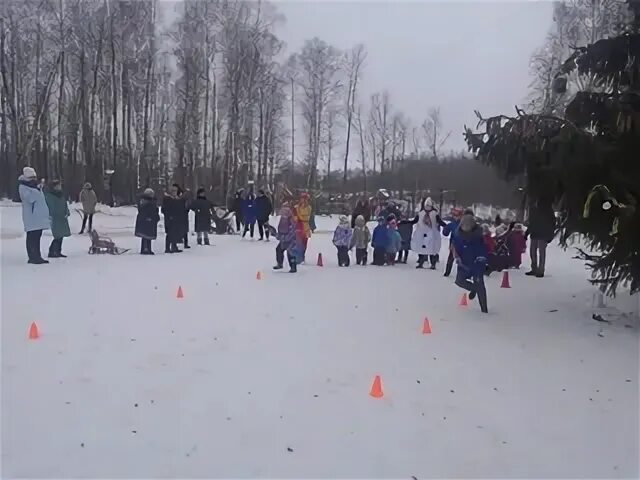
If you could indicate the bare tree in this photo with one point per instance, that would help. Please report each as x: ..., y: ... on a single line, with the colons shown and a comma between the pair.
x: 355, y: 60
x: 434, y: 136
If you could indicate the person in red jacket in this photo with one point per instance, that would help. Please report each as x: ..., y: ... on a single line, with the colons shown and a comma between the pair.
x: 517, y: 245
x: 489, y: 242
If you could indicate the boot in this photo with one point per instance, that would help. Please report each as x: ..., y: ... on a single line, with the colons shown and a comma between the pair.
x: 420, y: 261
x: 53, y: 249
x: 174, y: 248
x: 531, y: 273
x: 59, y: 249
x: 206, y: 241
x: 293, y: 268
x: 199, y: 241
x: 38, y: 261
x: 280, y: 259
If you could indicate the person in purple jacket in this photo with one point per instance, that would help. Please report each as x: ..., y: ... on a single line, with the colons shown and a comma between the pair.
x: 471, y: 257
x: 286, y: 235
x: 342, y: 241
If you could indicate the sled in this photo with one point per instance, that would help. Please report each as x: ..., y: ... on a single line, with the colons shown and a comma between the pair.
x: 103, y: 244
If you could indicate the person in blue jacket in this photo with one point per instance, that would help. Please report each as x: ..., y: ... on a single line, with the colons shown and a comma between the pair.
x: 35, y: 213
x: 380, y: 242
x: 249, y: 214
x: 449, y: 230
x: 471, y: 257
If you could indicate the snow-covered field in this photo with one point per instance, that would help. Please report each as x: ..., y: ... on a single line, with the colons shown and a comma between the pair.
x: 270, y: 378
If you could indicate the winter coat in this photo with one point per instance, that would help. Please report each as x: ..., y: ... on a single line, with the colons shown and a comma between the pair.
x: 517, y: 246
x: 58, y: 213
x: 249, y: 210
x: 342, y: 235
x: 303, y: 213
x: 35, y: 213
x: 405, y: 228
x: 147, y: 218
x: 449, y: 230
x: 286, y: 233
x: 363, y: 209
x: 426, y: 238
x: 173, y: 210
x: 236, y: 205
x: 361, y: 235
x: 542, y: 223
x: 264, y: 208
x: 489, y: 243
x: 470, y: 250
x: 380, y: 237
x: 395, y: 241
x: 202, y: 208
x: 89, y: 200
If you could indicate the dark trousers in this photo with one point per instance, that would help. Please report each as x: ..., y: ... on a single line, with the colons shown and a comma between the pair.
x: 86, y: 216
x: 55, y: 248
x: 145, y: 245
x: 185, y: 240
x: 249, y: 227
x: 343, y: 256
x: 538, y: 253
x: 449, y: 267
x: 291, y: 258
x: 361, y: 256
x: 33, y: 244
x: 238, y: 223
x: 170, y: 247
x: 263, y: 228
x: 379, y: 256
x: 403, y: 255
x: 475, y: 285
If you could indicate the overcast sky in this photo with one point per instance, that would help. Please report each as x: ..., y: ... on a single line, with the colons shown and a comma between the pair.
x: 460, y: 56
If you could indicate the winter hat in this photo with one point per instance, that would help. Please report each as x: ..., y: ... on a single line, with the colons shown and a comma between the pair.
x: 518, y: 227
x: 343, y: 220
x: 360, y: 221
x: 87, y: 186
x: 29, y: 172
x: 149, y: 192
x: 200, y: 191
x: 380, y: 219
x: 428, y: 203
x: 467, y: 222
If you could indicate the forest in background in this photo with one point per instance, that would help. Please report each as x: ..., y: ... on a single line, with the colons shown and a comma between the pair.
x: 128, y: 94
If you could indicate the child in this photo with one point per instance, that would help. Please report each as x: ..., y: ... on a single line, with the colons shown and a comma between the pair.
x: 517, y: 245
x: 147, y: 221
x: 405, y: 228
x: 59, y: 214
x: 379, y: 242
x: 489, y: 242
x: 203, y: 209
x: 501, y: 256
x: 395, y: 242
x: 471, y: 256
x: 286, y: 236
x: 360, y: 240
x: 342, y: 240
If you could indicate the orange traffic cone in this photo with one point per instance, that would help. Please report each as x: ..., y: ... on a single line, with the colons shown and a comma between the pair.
x: 179, y: 294
x: 505, y: 280
x: 463, y: 300
x: 426, y: 328
x: 258, y: 275
x: 376, y: 388
x: 320, y: 260
x: 33, y: 331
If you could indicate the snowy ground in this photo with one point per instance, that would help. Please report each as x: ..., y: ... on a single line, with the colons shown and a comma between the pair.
x: 270, y: 378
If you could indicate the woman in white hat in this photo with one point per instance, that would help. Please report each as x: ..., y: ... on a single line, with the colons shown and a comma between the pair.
x: 35, y: 213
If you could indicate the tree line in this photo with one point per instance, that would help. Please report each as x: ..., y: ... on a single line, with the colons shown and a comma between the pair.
x: 112, y: 92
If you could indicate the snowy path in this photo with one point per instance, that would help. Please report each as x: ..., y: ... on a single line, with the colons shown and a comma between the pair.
x: 270, y: 378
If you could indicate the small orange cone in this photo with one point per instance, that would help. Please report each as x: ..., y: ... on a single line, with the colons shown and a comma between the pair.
x: 33, y: 331
x: 320, y: 264
x: 463, y: 300
x: 258, y: 275
x: 426, y: 328
x: 376, y: 388
x: 505, y: 280
x: 180, y: 294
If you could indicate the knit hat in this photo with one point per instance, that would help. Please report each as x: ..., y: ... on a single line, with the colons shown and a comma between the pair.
x: 467, y: 222
x: 200, y: 191
x: 343, y: 219
x: 29, y: 172
x: 87, y: 186
x: 149, y: 192
x: 360, y: 221
x: 428, y: 203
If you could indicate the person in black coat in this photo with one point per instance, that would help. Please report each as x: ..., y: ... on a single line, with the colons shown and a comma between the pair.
x: 173, y: 209
x: 359, y: 209
x: 203, y: 210
x: 236, y: 208
x: 264, y: 208
x: 147, y: 221
x: 542, y: 225
x: 188, y: 198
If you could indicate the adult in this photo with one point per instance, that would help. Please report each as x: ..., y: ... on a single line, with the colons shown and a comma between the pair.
x: 236, y: 208
x: 173, y: 209
x: 303, y: 216
x: 59, y: 216
x: 542, y: 224
x: 187, y: 196
x: 35, y: 213
x: 89, y: 201
x: 147, y: 221
x: 426, y: 239
x: 264, y: 209
x: 249, y: 214
x: 203, y: 208
x: 449, y: 230
x: 471, y: 256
